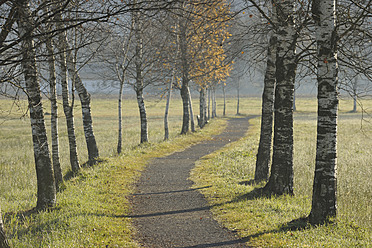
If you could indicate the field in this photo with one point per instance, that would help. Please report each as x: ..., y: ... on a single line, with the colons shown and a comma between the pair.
x: 276, y: 221
x: 95, y: 202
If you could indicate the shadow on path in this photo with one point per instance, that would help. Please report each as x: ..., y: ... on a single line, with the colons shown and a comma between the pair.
x: 167, y: 212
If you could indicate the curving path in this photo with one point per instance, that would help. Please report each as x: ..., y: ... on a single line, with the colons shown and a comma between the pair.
x: 168, y: 213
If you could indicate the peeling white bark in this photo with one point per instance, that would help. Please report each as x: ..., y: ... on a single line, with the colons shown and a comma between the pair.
x: 67, y: 109
x: 46, y: 190
x: 264, y: 149
x: 185, y: 75
x: 84, y: 97
x: 324, y: 202
x: 139, y: 76
x: 191, y: 112
x: 281, y: 177
x: 54, y: 114
x: 202, y: 108
x: 166, y: 128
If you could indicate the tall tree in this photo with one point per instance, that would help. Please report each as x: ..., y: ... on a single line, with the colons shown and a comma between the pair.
x: 67, y: 108
x: 139, y: 86
x: 281, y: 177
x: 264, y: 148
x: 54, y: 111
x: 166, y: 112
x: 46, y: 190
x: 183, y: 23
x: 324, y: 202
x: 85, y: 100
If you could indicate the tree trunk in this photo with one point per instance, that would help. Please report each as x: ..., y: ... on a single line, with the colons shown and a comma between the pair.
x: 209, y: 103
x: 202, y: 108
x: 294, y: 101
x: 205, y: 108
x: 139, y: 77
x: 84, y: 97
x: 238, y: 100
x: 191, y: 113
x: 166, y: 128
x: 264, y: 148
x: 355, y: 94
x: 67, y: 109
x: 46, y: 190
x: 3, y: 241
x: 120, y: 130
x: 224, y: 100
x: 324, y: 202
x: 281, y: 177
x: 185, y: 103
x: 54, y: 114
x: 185, y: 77
x: 214, y: 107
x: 143, y: 116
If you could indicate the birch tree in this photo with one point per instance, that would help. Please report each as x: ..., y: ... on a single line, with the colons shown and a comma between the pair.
x: 67, y: 108
x: 185, y: 67
x: 139, y: 85
x: 46, y: 190
x: 166, y: 112
x: 85, y: 100
x: 281, y: 177
x: 202, y: 107
x: 324, y: 201
x: 264, y: 148
x: 54, y: 111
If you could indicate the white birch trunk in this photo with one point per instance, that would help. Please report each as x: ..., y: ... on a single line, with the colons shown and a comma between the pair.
x: 54, y: 114
x: 191, y: 112
x: 120, y: 131
x: 67, y: 109
x: 224, y: 100
x: 209, y: 103
x: 324, y: 202
x: 202, y: 108
x: 281, y: 177
x: 84, y: 97
x: 238, y: 99
x: 355, y: 94
x: 46, y: 190
x: 185, y: 75
x: 121, y: 73
x: 214, y: 105
x: 139, y: 76
x: 264, y: 148
x: 166, y: 113
x: 205, y: 107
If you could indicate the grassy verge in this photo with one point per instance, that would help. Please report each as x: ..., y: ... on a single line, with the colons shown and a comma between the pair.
x: 93, y: 209
x: 276, y: 221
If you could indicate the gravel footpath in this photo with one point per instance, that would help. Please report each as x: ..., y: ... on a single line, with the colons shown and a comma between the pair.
x: 167, y: 212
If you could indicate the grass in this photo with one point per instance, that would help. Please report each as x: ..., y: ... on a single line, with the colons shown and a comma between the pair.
x: 93, y: 209
x: 278, y: 221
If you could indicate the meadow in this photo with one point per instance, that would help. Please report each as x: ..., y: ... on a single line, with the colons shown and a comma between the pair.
x: 92, y: 210
x: 278, y: 221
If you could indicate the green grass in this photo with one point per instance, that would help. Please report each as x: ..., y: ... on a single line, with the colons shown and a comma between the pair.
x: 275, y: 221
x: 92, y: 210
